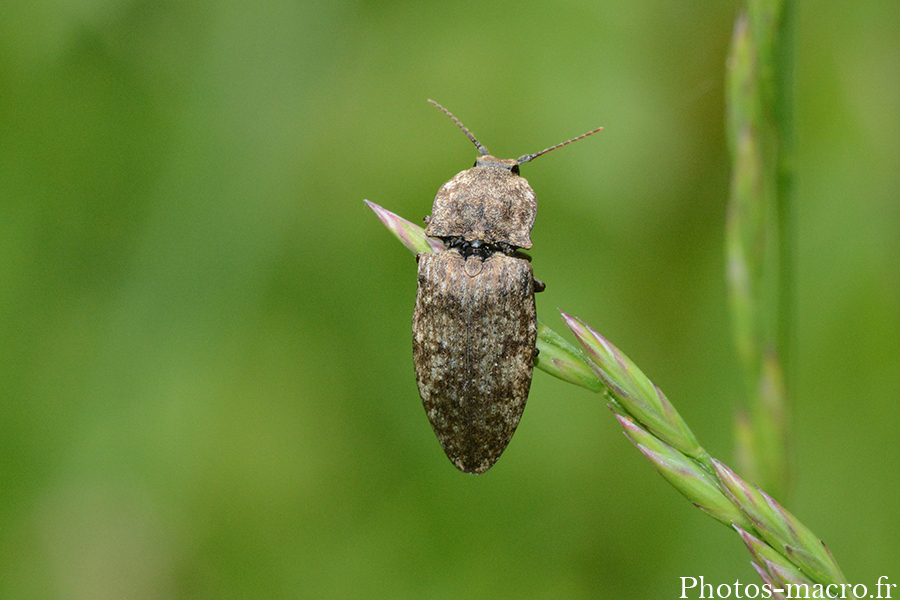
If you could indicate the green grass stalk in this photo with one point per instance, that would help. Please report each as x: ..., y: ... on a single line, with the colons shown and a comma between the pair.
x: 783, y: 550
x: 758, y: 230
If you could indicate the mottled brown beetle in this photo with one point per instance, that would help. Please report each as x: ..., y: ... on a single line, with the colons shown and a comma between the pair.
x: 474, y: 325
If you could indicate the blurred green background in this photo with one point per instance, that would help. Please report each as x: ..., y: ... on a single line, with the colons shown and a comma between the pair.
x: 206, y: 383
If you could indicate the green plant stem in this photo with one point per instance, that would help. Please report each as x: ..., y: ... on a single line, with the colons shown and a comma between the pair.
x: 783, y: 549
x: 758, y: 231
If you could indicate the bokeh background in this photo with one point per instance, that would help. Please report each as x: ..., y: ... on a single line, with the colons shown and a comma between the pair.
x: 206, y: 381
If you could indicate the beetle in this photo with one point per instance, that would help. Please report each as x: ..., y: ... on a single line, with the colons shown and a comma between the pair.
x: 474, y: 323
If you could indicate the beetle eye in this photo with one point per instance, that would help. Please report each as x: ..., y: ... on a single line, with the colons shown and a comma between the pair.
x: 515, y: 169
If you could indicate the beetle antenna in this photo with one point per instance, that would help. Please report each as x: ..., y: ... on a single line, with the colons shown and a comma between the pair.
x: 481, y: 148
x: 529, y: 157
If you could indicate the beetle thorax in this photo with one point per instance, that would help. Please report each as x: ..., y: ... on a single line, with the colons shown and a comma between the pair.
x: 489, y: 203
